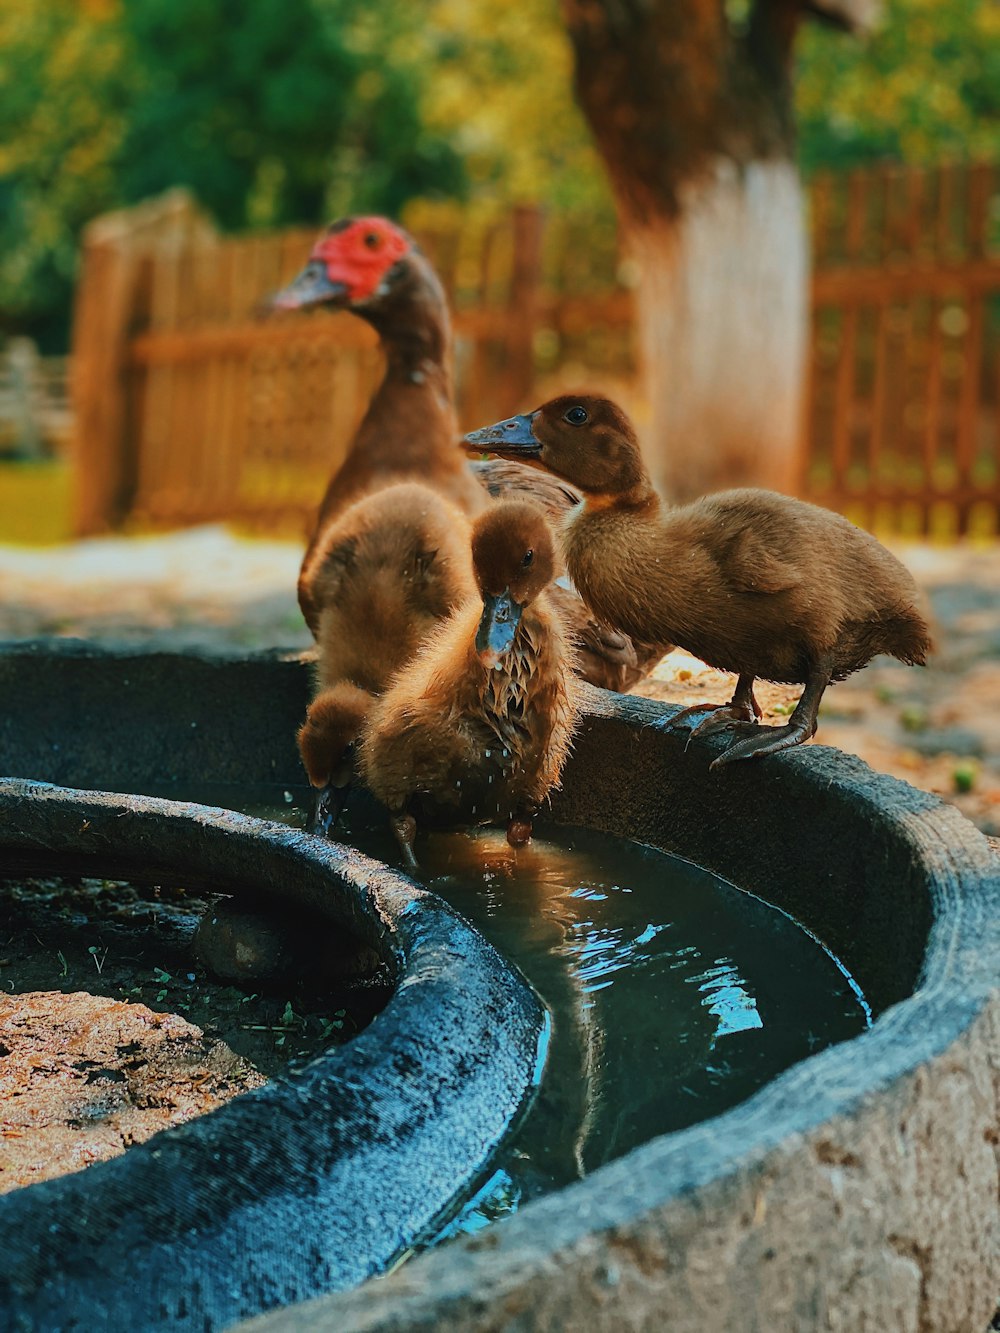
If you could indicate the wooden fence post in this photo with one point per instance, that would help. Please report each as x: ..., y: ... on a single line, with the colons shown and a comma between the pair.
x: 112, y: 273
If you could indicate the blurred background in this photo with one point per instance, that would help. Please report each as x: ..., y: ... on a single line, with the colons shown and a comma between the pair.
x: 771, y: 228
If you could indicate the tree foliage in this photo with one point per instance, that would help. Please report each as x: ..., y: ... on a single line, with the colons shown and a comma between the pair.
x: 276, y: 112
x: 923, y: 87
x: 61, y: 131
x: 289, y: 110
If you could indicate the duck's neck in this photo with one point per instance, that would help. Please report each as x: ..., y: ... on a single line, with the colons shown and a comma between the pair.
x: 411, y: 319
x: 415, y: 338
x: 640, y: 500
x: 412, y: 414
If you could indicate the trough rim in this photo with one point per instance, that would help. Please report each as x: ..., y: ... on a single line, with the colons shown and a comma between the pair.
x: 565, y: 1236
x: 459, y: 1096
x: 555, y: 1246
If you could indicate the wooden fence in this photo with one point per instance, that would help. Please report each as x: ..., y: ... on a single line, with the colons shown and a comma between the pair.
x: 192, y: 406
x: 903, y: 415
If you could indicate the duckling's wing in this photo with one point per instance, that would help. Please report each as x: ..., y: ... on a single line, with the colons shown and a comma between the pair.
x: 752, y: 564
x: 504, y: 476
x: 604, y: 655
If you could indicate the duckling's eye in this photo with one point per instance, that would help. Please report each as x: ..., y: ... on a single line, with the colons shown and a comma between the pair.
x: 528, y: 557
x: 373, y: 240
x: 577, y: 416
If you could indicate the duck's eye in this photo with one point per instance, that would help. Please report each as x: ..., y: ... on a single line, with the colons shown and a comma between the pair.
x: 577, y: 416
x: 373, y: 240
x: 528, y: 557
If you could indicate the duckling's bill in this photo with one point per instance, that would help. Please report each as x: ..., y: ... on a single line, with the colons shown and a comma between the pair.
x: 500, y: 619
x: 513, y: 436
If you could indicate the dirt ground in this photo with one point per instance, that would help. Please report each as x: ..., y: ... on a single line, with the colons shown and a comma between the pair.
x: 938, y: 727
x: 112, y: 1027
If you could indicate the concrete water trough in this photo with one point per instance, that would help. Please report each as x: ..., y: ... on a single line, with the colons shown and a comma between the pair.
x: 857, y: 1190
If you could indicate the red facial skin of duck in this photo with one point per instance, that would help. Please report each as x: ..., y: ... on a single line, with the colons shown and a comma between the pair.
x: 360, y: 254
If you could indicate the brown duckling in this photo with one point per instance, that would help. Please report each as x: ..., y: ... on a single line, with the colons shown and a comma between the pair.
x: 750, y: 581
x: 390, y: 569
x: 477, y: 728
x: 374, y: 269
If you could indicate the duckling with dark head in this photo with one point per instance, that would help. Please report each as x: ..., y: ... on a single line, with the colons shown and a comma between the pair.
x: 476, y: 729
x: 750, y: 581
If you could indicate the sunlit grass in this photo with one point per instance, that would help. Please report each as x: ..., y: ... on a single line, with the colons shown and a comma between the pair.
x: 35, y: 503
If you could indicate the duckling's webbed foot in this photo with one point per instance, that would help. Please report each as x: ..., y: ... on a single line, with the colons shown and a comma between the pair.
x: 670, y: 723
x: 724, y: 717
x: 800, y: 727
x: 404, y: 826
x: 764, y: 740
x: 743, y: 708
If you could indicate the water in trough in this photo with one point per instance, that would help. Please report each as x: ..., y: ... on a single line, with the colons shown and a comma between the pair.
x: 673, y: 994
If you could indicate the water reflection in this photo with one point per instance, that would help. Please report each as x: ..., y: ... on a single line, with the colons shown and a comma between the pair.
x: 674, y: 995
x: 724, y: 994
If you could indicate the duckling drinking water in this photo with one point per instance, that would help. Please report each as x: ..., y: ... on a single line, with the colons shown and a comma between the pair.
x: 477, y: 728
x: 750, y: 581
x: 390, y: 569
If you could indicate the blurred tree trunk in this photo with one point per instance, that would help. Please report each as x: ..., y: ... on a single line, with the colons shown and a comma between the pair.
x: 692, y: 112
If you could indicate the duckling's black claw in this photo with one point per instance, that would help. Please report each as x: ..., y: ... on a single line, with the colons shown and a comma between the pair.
x: 669, y: 723
x: 766, y: 740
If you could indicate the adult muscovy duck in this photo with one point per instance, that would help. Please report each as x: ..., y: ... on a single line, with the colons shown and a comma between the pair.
x: 374, y: 269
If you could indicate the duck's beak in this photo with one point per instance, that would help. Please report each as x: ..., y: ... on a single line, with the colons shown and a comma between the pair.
x: 501, y: 617
x: 514, y: 436
x: 313, y: 286
x: 326, y: 810
x: 331, y: 799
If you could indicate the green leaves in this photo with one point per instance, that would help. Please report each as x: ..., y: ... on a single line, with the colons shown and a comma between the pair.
x: 925, y: 86
x: 281, y: 111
